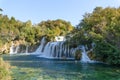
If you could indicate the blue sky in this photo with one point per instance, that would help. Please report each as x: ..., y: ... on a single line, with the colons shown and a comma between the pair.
x: 38, y: 10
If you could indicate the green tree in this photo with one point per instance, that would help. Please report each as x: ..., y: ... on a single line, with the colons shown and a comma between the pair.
x: 101, y: 27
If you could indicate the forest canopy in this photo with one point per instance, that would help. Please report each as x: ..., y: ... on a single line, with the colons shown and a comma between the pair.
x: 12, y: 29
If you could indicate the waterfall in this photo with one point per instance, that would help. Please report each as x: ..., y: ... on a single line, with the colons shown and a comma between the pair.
x: 60, y: 50
x: 16, y: 49
x: 85, y: 58
x: 12, y: 49
x: 26, y: 51
x: 56, y: 50
x: 40, y: 48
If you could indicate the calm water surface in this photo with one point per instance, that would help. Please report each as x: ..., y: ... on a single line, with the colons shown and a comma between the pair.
x: 30, y: 67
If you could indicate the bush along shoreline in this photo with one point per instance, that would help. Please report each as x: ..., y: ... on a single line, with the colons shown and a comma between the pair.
x: 5, y: 73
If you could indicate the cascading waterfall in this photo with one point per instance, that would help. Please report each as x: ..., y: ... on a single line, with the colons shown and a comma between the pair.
x: 16, y: 49
x: 58, y: 49
x: 84, y: 58
x: 41, y: 47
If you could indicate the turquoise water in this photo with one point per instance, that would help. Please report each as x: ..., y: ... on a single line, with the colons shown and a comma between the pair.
x: 29, y: 67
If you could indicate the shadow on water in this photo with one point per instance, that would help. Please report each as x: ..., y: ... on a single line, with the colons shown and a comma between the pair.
x: 63, y: 69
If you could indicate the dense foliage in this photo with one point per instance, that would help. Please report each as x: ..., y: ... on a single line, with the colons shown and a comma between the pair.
x: 101, y: 27
x: 52, y: 28
x: 12, y: 30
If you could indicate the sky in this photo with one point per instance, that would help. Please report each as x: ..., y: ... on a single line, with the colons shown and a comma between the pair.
x: 39, y: 10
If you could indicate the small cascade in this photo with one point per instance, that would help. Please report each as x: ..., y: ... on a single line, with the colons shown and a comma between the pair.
x: 16, y: 49
x: 41, y: 47
x: 85, y: 58
x: 12, y: 49
x: 26, y: 51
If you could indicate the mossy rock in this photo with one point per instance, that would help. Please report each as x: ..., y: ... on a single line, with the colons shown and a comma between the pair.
x: 78, y: 55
